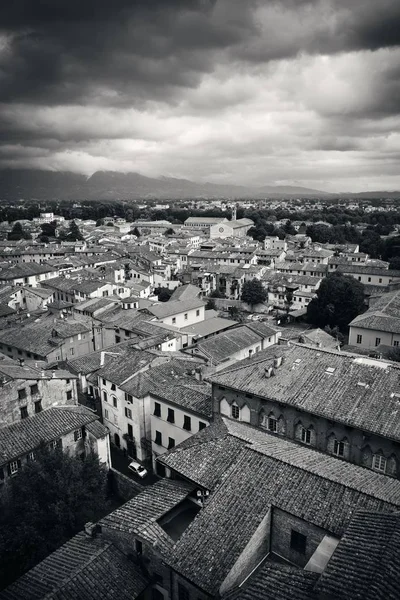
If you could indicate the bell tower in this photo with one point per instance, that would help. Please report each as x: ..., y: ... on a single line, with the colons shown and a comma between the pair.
x: 234, y: 212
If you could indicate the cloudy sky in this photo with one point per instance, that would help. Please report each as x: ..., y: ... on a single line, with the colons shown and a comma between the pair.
x: 239, y: 91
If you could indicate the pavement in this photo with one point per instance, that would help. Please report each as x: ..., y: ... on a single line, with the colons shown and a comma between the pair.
x: 120, y: 462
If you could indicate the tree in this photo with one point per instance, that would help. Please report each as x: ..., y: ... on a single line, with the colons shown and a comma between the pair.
x: 289, y: 229
x: 340, y: 298
x: 163, y: 293
x: 74, y: 232
x: 99, y: 222
x: 49, y: 501
x: 18, y: 233
x: 49, y: 229
x: 235, y: 314
x: 393, y: 354
x: 169, y: 231
x: 211, y: 304
x: 135, y: 232
x: 253, y: 292
x: 288, y: 301
x: 394, y: 263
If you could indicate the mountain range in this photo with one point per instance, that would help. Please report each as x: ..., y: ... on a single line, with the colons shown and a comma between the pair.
x: 110, y: 185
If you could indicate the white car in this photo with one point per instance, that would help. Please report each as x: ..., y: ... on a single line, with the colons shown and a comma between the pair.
x: 136, y: 468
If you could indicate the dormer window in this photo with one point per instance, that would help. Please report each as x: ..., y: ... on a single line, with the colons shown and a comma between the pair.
x: 235, y: 411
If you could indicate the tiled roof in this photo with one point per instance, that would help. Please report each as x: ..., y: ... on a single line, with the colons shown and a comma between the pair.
x: 366, y: 563
x: 91, y: 362
x: 360, y: 392
x: 126, y: 365
x: 85, y: 568
x: 275, y: 581
x: 37, y: 338
x: 174, y: 307
x: 185, y: 292
x: 383, y: 314
x: 139, y: 516
x: 20, y: 438
x: 205, y: 457
x: 274, y: 472
x: 97, y: 429
x: 221, y: 347
x: 16, y: 271
x: 365, y: 269
x: 208, y: 326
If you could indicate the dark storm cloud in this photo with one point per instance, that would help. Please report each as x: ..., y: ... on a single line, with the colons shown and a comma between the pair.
x: 78, y: 51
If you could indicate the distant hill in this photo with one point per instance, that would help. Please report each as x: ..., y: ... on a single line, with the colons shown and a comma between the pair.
x: 110, y: 185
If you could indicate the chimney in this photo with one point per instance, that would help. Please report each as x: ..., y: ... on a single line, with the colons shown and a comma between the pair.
x: 198, y: 374
x: 102, y: 356
x: 21, y: 362
x: 277, y: 362
x: 92, y: 529
x: 268, y: 372
x: 53, y: 374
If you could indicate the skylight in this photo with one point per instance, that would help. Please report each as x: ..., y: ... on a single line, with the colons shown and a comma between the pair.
x: 330, y: 370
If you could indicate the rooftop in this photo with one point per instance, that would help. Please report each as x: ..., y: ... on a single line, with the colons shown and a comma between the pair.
x: 85, y: 567
x: 357, y: 391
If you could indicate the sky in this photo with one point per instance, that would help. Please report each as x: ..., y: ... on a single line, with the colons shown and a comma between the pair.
x: 248, y: 92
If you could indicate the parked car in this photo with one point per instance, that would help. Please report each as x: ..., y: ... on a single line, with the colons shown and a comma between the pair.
x: 137, y: 469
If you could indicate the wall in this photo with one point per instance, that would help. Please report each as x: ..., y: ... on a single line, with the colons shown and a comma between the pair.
x: 173, y: 430
x: 369, y: 336
x: 50, y: 392
x: 282, y: 524
x: 181, y: 321
x: 124, y: 487
x: 257, y: 548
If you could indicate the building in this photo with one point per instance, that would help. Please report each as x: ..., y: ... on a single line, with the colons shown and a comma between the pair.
x: 227, y: 229
x: 47, y: 339
x: 203, y: 223
x: 178, y: 312
x: 341, y: 404
x: 237, y: 343
x: 379, y: 325
x: 31, y: 274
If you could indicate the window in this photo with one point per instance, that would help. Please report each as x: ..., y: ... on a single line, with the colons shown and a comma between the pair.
x: 272, y: 424
x: 171, y: 415
x: 115, y: 419
x: 117, y: 339
x: 379, y: 463
x: 38, y: 406
x: 306, y: 436
x: 369, y: 279
x: 128, y: 413
x: 235, y: 411
x: 338, y: 448
x: 186, y: 316
x: 359, y: 278
x: 157, y: 409
x: 71, y: 351
x: 104, y: 382
x: 113, y: 388
x: 138, y: 546
x: 197, y: 313
x: 34, y: 389
x: 202, y: 425
x: 377, y: 341
x: 183, y: 594
x: 187, y: 423
x: 171, y: 443
x: 31, y: 456
x: 380, y: 279
x: 298, y: 542
x: 14, y: 466
x: 158, y: 438
x: 105, y: 413
x: 21, y: 394
x: 128, y: 398
x: 173, y: 320
x: 77, y: 435
x: 359, y: 339
x: 69, y: 395
x: 24, y: 412
x: 396, y: 343
x: 105, y: 396
x: 115, y: 403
